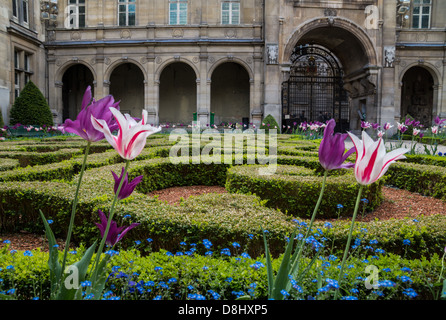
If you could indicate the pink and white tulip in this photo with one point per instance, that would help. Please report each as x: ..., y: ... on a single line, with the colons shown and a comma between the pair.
x: 435, y: 129
x: 372, y: 160
x: 416, y: 131
x: 387, y: 126
x: 132, y: 135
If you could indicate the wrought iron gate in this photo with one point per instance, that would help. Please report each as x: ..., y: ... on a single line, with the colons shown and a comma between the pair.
x: 314, y: 90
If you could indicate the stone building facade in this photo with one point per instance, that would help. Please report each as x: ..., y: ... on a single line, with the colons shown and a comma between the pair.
x: 226, y: 61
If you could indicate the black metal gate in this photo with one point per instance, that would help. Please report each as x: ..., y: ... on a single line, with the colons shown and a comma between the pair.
x: 314, y: 90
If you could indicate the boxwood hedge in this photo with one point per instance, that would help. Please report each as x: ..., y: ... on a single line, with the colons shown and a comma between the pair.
x: 295, y: 190
x: 49, y: 186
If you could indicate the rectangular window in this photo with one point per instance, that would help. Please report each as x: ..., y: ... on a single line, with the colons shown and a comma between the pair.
x: 15, y: 8
x: 22, y: 69
x: 126, y: 12
x: 26, y: 62
x: 421, y: 14
x: 178, y: 12
x: 76, y: 12
x: 16, y: 84
x: 20, y: 11
x: 16, y: 59
x: 230, y: 13
x: 25, y: 11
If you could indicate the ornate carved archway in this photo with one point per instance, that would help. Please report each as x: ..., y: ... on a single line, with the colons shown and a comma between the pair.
x: 314, y: 89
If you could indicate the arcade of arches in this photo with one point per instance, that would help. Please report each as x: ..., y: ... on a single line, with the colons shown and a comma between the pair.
x: 322, y: 71
x: 177, y: 92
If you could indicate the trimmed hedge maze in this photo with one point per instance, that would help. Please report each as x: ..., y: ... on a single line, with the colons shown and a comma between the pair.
x: 41, y: 175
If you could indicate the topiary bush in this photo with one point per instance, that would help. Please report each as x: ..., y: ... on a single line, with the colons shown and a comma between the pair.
x: 31, y: 108
x: 294, y: 190
x: 269, y: 123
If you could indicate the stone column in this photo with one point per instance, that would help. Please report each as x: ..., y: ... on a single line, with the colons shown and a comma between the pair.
x: 272, y: 95
x: 256, y: 96
x: 203, y: 91
x: 388, y: 109
x: 441, y: 94
x: 151, y: 88
x: 56, y: 92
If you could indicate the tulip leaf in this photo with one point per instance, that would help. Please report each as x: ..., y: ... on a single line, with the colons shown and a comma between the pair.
x: 443, y: 291
x: 245, y: 297
x: 282, y: 278
x: 53, y: 260
x: 81, y: 268
x: 269, y: 267
x: 98, y: 284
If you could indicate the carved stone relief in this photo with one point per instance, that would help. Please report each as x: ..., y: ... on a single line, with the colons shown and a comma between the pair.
x: 272, y: 52
x: 389, y: 56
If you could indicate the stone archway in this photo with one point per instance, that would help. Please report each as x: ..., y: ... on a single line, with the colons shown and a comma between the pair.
x: 127, y: 86
x: 417, y: 95
x: 75, y: 81
x: 230, y: 94
x: 356, y: 53
x: 177, y: 94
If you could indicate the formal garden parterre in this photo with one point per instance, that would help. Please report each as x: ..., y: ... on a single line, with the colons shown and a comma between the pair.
x: 213, y: 246
x: 173, y: 237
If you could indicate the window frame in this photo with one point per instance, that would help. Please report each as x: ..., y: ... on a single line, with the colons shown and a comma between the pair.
x: 126, y: 3
x: 25, y: 11
x: 178, y: 4
x: 23, y: 62
x: 230, y: 12
x: 420, y: 14
x: 15, y: 9
x: 76, y: 14
x: 20, y: 12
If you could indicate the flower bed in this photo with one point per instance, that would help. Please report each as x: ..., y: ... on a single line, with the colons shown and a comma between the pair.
x: 27, y: 197
x: 201, y: 237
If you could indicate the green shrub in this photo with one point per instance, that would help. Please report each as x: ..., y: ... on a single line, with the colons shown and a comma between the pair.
x: 137, y: 277
x: 427, y: 180
x: 425, y: 233
x: 269, y: 123
x: 50, y: 187
x: 294, y: 190
x: 166, y: 223
x: 31, y: 108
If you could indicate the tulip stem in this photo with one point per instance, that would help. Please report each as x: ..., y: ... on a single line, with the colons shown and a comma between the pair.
x: 110, y: 217
x: 73, y: 209
x: 315, y: 210
x: 347, y: 246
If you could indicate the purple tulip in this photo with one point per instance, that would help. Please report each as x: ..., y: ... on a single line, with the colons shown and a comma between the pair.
x: 332, y: 148
x: 439, y: 121
x: 100, y: 109
x: 114, y: 234
x: 365, y: 124
x: 127, y: 187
